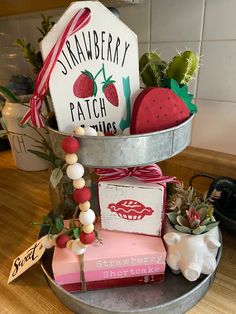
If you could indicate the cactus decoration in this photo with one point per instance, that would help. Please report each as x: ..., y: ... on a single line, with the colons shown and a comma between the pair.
x: 152, y: 69
x: 183, y: 67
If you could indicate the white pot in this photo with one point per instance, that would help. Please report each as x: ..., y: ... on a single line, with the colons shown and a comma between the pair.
x: 191, y: 254
x: 20, y: 144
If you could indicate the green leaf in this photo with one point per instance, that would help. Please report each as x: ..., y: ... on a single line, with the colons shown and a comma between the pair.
x: 199, y: 230
x: 56, y: 177
x: 76, y: 232
x: 3, y: 123
x: 172, y: 217
x: 41, y: 155
x: 212, y: 225
x: 8, y: 95
x: 47, y: 220
x: 59, y: 223
x: 183, y: 229
x: 3, y: 133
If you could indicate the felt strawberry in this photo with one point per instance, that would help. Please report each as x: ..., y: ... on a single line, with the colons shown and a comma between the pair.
x: 110, y: 91
x: 158, y: 108
x: 85, y: 85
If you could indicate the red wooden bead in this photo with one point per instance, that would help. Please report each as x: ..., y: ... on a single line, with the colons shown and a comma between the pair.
x: 61, y: 240
x: 70, y: 145
x: 87, y: 238
x: 81, y: 195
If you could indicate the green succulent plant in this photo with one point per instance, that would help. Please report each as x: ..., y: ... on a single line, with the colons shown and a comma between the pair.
x: 152, y: 69
x: 189, y: 213
x: 183, y: 67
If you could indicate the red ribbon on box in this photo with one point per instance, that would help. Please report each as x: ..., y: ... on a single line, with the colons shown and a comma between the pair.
x: 150, y: 174
x: 78, y: 21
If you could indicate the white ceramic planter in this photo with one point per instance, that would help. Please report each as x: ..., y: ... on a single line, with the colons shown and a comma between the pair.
x: 191, y: 254
x: 20, y: 144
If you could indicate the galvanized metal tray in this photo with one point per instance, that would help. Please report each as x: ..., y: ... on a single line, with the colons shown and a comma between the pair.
x: 125, y: 151
x: 174, y: 295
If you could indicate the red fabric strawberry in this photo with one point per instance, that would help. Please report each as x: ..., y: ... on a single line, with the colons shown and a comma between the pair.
x: 85, y: 85
x: 110, y: 91
x: 156, y: 109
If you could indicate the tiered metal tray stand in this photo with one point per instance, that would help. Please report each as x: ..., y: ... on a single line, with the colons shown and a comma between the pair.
x: 175, y: 294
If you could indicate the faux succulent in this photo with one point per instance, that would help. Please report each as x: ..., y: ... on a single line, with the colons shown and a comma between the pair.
x: 190, y: 213
x: 154, y: 70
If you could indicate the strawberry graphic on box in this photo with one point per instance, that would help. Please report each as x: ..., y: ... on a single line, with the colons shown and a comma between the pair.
x: 159, y: 108
x: 85, y: 85
x: 130, y: 210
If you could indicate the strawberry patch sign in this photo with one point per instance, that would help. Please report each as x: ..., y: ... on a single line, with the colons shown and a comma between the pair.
x: 95, y: 77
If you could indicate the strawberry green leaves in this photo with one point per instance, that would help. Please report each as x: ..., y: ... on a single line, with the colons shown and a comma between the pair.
x: 182, y: 92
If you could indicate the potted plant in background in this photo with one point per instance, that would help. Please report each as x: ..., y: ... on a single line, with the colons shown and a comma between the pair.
x: 191, y: 233
x: 24, y: 140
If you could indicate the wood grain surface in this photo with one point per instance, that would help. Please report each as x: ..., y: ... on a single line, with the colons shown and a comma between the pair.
x: 24, y: 198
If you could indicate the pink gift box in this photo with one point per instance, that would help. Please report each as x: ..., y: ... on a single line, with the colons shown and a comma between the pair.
x: 122, y: 259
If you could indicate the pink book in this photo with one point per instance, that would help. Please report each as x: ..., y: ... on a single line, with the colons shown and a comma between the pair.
x: 122, y: 255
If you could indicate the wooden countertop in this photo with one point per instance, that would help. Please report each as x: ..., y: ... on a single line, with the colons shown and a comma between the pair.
x: 24, y: 198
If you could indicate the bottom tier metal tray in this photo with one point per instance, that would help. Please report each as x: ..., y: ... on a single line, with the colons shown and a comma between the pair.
x: 174, y: 295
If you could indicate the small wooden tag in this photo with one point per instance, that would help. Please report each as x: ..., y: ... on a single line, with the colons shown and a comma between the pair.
x: 27, y: 259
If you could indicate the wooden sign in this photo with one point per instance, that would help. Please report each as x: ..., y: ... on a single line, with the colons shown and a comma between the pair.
x: 132, y: 206
x: 96, y: 75
x: 27, y: 259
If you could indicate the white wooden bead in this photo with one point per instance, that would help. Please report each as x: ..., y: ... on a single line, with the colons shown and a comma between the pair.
x: 79, y: 130
x: 90, y: 131
x: 87, y: 218
x: 48, y: 241
x: 79, y: 183
x: 84, y: 206
x: 99, y: 133
x: 77, y: 248
x: 75, y: 171
x: 88, y: 228
x: 71, y: 159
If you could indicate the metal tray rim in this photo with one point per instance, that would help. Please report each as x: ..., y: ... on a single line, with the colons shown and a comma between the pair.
x: 117, y: 137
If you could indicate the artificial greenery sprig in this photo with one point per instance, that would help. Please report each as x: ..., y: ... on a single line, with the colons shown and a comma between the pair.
x: 30, y: 53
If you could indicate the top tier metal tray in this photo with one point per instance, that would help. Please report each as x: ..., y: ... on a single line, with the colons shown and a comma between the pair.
x: 126, y: 151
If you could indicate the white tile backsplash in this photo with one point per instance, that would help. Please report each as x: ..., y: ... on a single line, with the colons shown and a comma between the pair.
x: 176, y: 20
x: 220, y: 20
x: 217, y: 75
x: 137, y: 17
x: 9, y: 31
x: 214, y: 126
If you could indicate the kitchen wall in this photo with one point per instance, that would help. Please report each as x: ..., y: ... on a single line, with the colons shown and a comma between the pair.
x: 205, y: 26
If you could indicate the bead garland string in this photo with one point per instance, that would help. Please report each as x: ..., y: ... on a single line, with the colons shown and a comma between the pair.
x: 81, y: 196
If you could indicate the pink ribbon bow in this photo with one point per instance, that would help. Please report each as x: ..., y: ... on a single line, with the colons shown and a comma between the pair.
x: 79, y: 20
x: 151, y: 173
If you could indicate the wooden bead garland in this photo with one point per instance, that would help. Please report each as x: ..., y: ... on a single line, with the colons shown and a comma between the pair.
x: 81, y: 195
